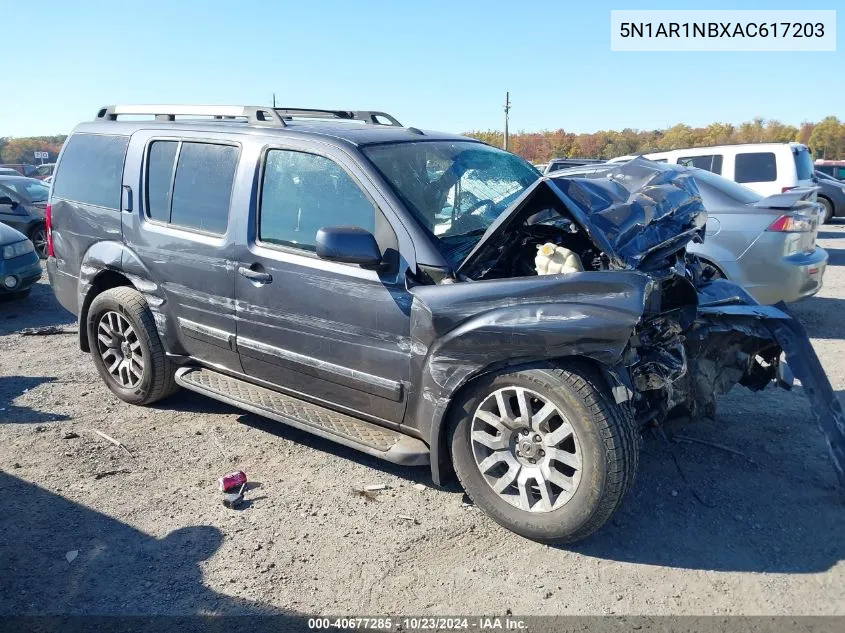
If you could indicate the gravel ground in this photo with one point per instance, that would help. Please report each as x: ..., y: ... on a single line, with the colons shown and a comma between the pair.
x: 88, y: 528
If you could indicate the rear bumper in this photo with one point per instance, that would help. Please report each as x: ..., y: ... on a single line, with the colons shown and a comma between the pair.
x: 791, y: 278
x: 64, y: 286
x: 24, y: 270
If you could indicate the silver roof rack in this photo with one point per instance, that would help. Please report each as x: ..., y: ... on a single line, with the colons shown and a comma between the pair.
x: 254, y: 115
x: 370, y: 117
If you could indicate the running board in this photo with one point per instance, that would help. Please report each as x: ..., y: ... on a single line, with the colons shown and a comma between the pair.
x: 344, y: 429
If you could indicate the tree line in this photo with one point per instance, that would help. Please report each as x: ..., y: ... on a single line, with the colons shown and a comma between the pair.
x: 21, y: 150
x: 826, y: 139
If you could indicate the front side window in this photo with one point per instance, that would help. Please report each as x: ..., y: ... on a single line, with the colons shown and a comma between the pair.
x: 712, y: 163
x: 756, y: 167
x: 197, y: 196
x: 301, y: 193
x: 91, y: 170
x: 456, y: 189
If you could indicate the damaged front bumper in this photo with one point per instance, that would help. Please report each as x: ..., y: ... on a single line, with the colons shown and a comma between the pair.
x: 682, y: 362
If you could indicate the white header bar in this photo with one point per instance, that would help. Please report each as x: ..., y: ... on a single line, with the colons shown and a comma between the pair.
x: 671, y: 30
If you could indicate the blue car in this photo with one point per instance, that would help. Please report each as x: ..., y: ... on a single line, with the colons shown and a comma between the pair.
x: 19, y: 264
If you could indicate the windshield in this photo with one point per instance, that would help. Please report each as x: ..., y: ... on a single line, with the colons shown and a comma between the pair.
x: 728, y: 187
x: 456, y: 189
x: 30, y: 190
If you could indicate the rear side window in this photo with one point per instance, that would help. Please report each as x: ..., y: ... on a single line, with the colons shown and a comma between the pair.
x: 756, y: 167
x: 301, y: 193
x: 198, y: 194
x: 803, y: 164
x: 91, y: 170
x: 160, y: 179
x: 711, y: 163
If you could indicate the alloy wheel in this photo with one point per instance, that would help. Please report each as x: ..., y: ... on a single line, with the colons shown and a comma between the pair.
x: 120, y: 349
x: 39, y: 240
x: 526, y: 449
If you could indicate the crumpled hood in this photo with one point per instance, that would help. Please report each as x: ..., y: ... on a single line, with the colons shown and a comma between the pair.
x: 635, y: 212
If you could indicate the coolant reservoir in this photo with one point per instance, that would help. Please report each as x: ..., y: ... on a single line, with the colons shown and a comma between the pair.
x: 553, y: 260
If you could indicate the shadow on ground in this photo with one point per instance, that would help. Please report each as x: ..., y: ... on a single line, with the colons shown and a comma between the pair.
x: 39, y: 309
x: 773, y: 508
x: 116, y: 569
x: 770, y: 507
x: 11, y: 387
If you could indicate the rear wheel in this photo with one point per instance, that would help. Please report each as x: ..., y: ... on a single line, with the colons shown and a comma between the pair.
x: 546, y: 452
x: 38, y: 236
x: 827, y: 210
x: 126, y: 348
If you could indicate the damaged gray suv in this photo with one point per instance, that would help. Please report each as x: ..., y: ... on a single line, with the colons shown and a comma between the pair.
x: 422, y: 297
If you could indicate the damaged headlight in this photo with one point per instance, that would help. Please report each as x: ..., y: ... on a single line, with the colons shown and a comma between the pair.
x: 17, y: 249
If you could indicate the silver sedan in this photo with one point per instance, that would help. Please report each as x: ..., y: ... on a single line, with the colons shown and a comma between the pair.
x: 767, y: 245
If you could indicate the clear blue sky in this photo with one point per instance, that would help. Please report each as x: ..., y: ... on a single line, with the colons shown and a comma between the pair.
x: 433, y: 64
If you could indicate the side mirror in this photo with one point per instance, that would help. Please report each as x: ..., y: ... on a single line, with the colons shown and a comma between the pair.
x: 7, y: 201
x: 348, y: 244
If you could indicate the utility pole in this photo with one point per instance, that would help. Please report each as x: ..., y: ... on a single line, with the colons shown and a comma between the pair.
x: 507, y: 109
x: 274, y: 100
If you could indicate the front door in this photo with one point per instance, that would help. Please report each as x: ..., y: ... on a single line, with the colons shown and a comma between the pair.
x: 334, y: 333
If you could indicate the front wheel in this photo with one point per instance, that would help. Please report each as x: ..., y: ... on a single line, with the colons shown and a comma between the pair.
x: 126, y: 347
x: 546, y: 452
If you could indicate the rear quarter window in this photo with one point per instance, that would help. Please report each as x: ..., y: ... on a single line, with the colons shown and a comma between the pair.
x: 803, y: 164
x: 756, y: 167
x: 91, y: 170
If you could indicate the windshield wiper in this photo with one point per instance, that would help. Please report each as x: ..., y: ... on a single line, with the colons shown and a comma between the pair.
x: 472, y: 233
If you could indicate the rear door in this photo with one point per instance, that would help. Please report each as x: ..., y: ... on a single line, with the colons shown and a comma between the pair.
x: 333, y: 333
x: 177, y: 194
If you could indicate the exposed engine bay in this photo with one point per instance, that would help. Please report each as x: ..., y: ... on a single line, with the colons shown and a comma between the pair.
x: 695, y: 338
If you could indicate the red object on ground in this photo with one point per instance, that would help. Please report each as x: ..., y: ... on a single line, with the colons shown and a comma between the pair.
x: 232, y: 480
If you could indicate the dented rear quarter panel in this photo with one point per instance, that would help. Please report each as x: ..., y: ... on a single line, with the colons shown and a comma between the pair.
x: 463, y: 330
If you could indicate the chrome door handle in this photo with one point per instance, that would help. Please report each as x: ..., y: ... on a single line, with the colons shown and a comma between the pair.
x: 255, y: 275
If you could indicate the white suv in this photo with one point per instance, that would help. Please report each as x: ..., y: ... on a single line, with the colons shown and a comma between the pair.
x: 767, y: 168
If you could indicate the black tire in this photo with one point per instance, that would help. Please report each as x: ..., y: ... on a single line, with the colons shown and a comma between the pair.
x: 827, y: 210
x: 157, y: 379
x: 38, y: 237
x: 606, y: 434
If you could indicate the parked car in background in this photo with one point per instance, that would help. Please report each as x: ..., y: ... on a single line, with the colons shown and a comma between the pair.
x: 562, y: 163
x: 23, y: 169
x: 831, y: 196
x: 767, y: 168
x: 44, y: 171
x: 23, y: 203
x: 833, y: 168
x: 767, y: 245
x: 19, y: 265
x: 8, y: 171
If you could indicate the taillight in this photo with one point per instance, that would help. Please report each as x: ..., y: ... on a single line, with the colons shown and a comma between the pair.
x: 49, y: 223
x: 792, y: 223
x: 785, y: 189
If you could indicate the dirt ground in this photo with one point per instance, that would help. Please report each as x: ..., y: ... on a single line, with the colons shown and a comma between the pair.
x: 87, y: 528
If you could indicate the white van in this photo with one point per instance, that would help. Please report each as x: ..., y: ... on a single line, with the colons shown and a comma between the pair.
x: 767, y: 168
